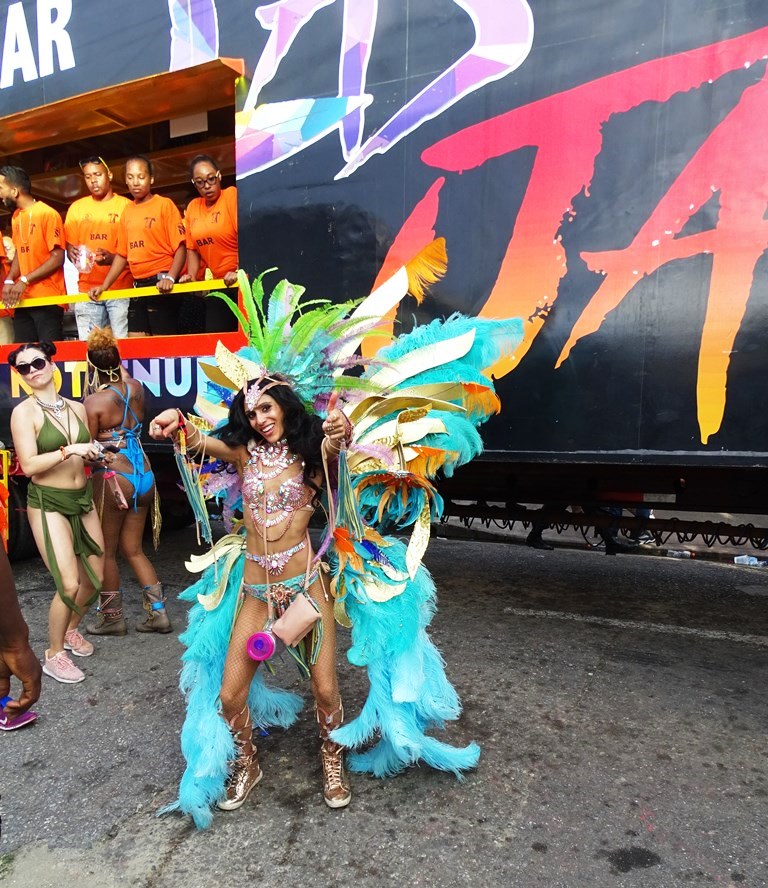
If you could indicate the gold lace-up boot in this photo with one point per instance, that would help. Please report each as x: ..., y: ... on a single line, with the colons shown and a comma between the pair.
x: 244, y: 772
x: 336, y: 789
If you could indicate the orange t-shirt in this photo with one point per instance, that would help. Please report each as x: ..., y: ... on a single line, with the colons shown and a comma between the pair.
x: 212, y: 231
x: 36, y: 232
x: 149, y: 235
x: 5, y: 267
x: 95, y: 224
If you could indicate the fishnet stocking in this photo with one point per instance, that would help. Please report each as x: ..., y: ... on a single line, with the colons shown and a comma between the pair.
x: 239, y: 668
x: 323, y: 675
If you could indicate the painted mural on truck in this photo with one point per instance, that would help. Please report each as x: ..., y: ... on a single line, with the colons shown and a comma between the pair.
x: 595, y: 168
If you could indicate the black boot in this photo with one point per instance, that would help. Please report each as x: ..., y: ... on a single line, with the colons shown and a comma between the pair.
x: 615, y: 546
x: 535, y: 541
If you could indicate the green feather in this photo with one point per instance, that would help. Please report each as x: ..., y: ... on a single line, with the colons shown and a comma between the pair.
x: 233, y: 307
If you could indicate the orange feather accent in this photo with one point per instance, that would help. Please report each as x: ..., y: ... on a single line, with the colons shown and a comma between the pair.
x: 482, y: 398
x: 343, y: 542
x: 426, y: 267
x: 429, y: 460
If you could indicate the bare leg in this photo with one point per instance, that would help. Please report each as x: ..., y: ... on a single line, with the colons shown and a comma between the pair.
x: 131, y: 545
x: 85, y: 589
x: 61, y: 540
x: 111, y: 522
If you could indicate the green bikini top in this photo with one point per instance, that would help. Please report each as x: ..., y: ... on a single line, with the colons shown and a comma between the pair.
x: 51, y: 438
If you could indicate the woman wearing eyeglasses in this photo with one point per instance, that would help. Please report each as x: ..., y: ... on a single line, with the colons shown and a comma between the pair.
x: 52, y: 443
x: 211, y: 225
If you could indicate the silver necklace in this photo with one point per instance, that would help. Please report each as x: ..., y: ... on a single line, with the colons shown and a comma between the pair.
x: 56, y: 408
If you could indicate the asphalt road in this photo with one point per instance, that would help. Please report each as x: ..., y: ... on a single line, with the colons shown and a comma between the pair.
x: 619, y: 702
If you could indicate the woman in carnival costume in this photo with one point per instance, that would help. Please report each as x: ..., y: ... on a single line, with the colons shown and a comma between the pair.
x: 275, y: 445
x: 52, y: 443
x: 124, y: 489
x: 413, y: 413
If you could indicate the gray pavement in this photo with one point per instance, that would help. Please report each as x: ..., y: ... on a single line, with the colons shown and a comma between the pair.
x: 619, y: 703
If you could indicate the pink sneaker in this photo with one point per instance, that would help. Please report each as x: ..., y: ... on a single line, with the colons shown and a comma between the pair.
x: 74, y: 641
x: 62, y: 668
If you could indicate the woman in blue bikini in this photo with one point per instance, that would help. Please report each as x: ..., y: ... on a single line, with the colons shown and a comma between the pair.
x: 124, y: 492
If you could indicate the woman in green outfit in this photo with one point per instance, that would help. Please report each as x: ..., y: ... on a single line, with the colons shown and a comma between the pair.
x: 52, y: 443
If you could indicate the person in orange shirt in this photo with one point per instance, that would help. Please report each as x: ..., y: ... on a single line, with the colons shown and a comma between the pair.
x: 90, y: 230
x: 37, y: 267
x: 211, y: 225
x: 151, y: 241
x: 6, y: 314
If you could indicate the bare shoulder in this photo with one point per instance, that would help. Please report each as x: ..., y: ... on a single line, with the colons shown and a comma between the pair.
x: 95, y: 403
x: 135, y: 389
x: 78, y: 407
x: 26, y: 420
x: 23, y: 411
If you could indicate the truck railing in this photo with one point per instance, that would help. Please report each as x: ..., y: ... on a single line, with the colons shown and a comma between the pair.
x: 504, y: 516
x: 129, y: 293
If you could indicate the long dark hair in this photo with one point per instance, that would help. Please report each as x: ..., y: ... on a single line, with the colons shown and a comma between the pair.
x: 303, y: 431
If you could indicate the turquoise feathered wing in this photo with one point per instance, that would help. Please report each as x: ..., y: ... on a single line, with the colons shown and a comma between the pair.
x: 436, y: 396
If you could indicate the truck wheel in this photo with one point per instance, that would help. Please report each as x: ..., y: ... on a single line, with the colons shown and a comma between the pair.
x: 21, y: 542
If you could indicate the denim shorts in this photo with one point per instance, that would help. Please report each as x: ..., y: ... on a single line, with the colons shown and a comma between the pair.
x: 112, y: 313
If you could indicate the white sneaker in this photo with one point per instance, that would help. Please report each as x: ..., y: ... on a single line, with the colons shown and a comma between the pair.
x: 62, y: 668
x: 74, y: 641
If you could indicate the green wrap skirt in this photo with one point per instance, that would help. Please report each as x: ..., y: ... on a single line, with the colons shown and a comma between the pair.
x: 72, y: 504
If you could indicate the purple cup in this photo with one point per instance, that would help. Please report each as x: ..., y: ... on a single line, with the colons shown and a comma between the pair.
x: 261, y: 645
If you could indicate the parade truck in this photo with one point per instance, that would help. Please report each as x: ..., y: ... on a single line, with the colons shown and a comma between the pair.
x: 597, y: 169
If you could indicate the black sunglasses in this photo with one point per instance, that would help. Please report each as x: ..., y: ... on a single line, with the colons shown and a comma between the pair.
x: 37, y: 364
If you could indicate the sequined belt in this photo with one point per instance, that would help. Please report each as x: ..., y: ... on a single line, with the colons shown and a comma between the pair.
x: 274, y: 562
x: 282, y: 593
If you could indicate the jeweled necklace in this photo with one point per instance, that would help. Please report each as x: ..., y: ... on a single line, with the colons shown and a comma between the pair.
x: 56, y: 408
x: 276, y: 456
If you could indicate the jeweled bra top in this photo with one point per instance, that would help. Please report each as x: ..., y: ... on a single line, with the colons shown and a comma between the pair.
x: 277, y: 506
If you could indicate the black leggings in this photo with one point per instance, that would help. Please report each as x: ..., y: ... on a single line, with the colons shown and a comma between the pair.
x: 38, y: 324
x: 153, y: 315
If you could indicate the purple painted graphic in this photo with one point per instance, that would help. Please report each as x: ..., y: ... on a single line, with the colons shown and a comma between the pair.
x: 503, y: 39
x: 194, y: 32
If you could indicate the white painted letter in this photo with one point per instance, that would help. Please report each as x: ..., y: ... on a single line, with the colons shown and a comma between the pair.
x: 17, y: 48
x: 51, y: 30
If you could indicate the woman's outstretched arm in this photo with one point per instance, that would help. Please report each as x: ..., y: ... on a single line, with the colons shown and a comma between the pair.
x: 166, y: 425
